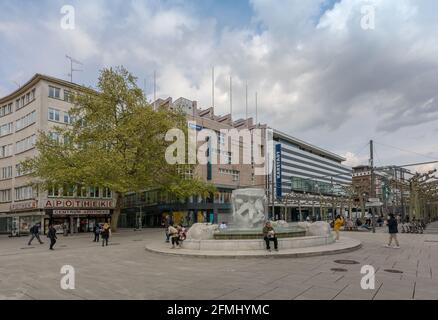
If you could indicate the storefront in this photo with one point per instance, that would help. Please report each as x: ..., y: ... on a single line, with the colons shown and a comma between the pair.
x: 76, y: 215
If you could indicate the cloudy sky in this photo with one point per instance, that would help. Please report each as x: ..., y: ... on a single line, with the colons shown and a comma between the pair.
x: 320, y: 75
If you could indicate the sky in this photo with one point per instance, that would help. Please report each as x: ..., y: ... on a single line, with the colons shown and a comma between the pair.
x: 320, y: 74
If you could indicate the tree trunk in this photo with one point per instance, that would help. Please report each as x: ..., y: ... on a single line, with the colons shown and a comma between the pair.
x: 116, y: 212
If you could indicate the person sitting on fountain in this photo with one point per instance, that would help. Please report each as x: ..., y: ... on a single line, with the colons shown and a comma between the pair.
x: 223, y: 225
x: 269, y: 235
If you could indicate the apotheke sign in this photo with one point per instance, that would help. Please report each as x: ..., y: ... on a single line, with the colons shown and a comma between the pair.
x: 78, y: 203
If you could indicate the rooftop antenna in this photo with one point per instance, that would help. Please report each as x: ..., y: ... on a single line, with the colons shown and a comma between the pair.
x: 155, y: 88
x: 18, y: 85
x: 212, y: 88
x: 246, y: 102
x: 144, y: 89
x: 256, y: 109
x: 231, y: 98
x: 73, y: 60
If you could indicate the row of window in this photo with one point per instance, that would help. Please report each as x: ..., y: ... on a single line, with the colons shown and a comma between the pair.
x: 6, y: 129
x: 21, y: 193
x: 79, y: 191
x: 25, y: 121
x: 21, y: 123
x: 55, y: 92
x: 25, y: 144
x: 20, y: 146
x: 55, y: 115
x: 6, y: 172
x: 19, y: 103
x: 234, y: 173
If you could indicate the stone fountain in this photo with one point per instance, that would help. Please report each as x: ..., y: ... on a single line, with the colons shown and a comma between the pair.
x: 244, y: 236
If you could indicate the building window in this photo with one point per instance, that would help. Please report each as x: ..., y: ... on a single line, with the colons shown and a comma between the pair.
x: 94, y: 192
x: 106, y: 193
x: 25, y: 144
x: 68, y: 96
x: 54, y: 92
x: 6, y: 173
x: 234, y: 173
x: 17, y: 104
x: 6, y: 151
x: 6, y: 129
x: 25, y: 121
x: 5, y: 110
x: 54, y: 136
x: 67, y: 118
x: 24, y: 193
x: 54, y: 114
x: 68, y: 191
x: 19, y: 171
x: 53, y: 191
x: 5, y: 195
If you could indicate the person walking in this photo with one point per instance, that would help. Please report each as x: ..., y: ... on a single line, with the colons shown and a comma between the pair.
x: 166, y: 226
x: 51, y: 234
x: 106, y: 232
x: 96, y: 232
x: 339, y: 221
x: 393, y: 230
x: 35, y: 232
x: 269, y: 235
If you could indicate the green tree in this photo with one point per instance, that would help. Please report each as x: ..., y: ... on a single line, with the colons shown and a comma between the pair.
x: 116, y: 141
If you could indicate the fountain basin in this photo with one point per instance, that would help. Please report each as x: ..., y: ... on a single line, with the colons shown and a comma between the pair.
x: 246, y: 234
x: 257, y: 244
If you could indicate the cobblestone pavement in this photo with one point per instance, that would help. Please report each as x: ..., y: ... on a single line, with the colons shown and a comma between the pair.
x: 125, y: 270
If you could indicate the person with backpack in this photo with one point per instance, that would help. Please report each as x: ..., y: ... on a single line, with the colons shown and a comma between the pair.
x: 35, y: 232
x: 393, y: 230
x: 51, y: 234
x: 96, y: 231
x: 106, y: 232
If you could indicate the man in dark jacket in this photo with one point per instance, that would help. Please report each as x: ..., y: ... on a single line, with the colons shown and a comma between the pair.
x: 269, y: 235
x: 96, y: 232
x: 35, y: 232
x: 393, y: 230
x: 51, y: 234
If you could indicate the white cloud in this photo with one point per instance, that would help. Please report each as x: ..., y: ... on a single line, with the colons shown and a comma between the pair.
x: 318, y: 75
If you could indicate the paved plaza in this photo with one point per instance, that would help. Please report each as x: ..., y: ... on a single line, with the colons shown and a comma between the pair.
x: 125, y: 270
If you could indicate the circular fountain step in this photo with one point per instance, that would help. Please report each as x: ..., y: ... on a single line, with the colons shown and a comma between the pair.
x: 291, y: 232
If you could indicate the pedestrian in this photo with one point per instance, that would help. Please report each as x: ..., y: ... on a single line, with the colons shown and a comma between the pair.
x: 106, y: 232
x: 96, y: 232
x: 166, y: 226
x: 51, y: 234
x: 269, y: 235
x: 35, y: 232
x: 65, y: 229
x: 339, y: 221
x: 393, y: 230
x: 174, y: 235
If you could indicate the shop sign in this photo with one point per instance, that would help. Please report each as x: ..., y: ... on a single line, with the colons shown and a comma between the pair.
x: 78, y: 203
x: 81, y: 212
x: 24, y: 205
